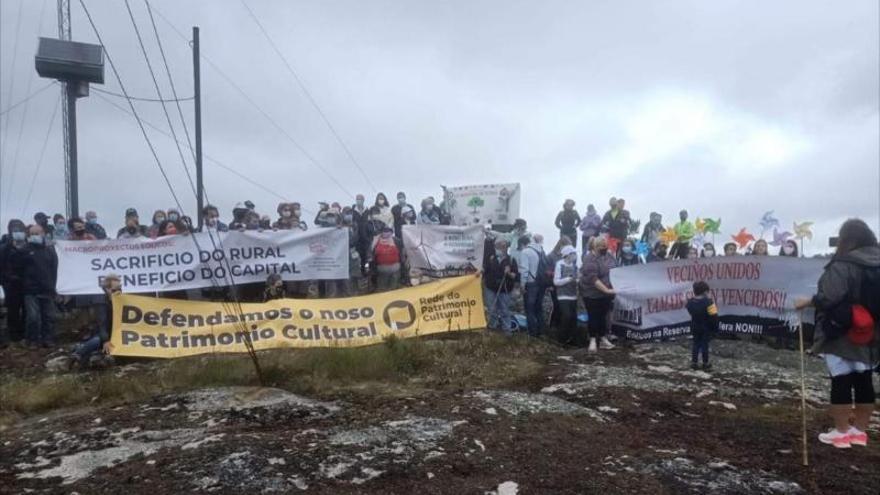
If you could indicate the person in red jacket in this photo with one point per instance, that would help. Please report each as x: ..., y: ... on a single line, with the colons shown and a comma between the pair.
x: 386, y: 261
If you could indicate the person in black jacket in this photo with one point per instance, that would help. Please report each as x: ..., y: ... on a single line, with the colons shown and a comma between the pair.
x: 568, y: 220
x: 501, y: 274
x: 403, y: 213
x: 10, y: 246
x: 37, y: 266
x: 704, y: 323
x: 100, y: 339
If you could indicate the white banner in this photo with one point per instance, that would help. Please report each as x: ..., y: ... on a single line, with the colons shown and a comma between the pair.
x: 440, y: 251
x: 479, y: 205
x: 177, y: 262
x: 753, y: 293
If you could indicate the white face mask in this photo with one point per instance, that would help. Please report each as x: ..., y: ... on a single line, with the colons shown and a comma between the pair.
x: 709, y: 253
x: 788, y: 250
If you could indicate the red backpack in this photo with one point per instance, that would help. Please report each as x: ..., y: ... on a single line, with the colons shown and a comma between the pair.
x: 386, y: 254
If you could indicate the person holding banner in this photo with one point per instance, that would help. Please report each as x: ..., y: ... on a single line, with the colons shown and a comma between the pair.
x: 93, y: 227
x: 849, y: 285
x: 565, y: 280
x: 501, y: 274
x: 133, y: 229
x: 598, y: 294
x: 100, y: 340
x: 386, y: 261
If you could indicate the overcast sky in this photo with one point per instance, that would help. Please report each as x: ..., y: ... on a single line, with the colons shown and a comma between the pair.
x: 726, y: 108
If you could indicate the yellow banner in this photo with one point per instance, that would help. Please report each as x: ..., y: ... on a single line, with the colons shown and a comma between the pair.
x: 170, y: 328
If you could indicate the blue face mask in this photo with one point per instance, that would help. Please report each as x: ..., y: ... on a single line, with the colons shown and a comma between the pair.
x: 35, y: 239
x: 92, y: 221
x: 627, y: 249
x: 499, y: 253
x: 19, y: 236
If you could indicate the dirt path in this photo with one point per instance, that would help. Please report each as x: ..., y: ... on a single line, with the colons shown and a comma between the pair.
x: 625, y: 421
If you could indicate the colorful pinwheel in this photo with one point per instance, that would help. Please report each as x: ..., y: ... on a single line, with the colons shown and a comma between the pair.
x: 743, y: 238
x: 779, y: 238
x: 668, y: 236
x: 700, y: 225
x: 713, y: 226
x: 802, y: 231
x: 768, y: 221
x: 642, y: 249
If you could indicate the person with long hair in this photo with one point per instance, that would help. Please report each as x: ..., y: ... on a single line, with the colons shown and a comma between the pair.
x: 789, y: 248
x: 843, y: 283
x: 552, y: 258
x: 598, y: 294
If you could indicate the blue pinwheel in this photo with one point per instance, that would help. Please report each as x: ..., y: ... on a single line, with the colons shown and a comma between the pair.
x: 779, y: 238
x: 768, y: 221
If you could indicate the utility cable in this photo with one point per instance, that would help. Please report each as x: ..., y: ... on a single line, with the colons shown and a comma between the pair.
x: 27, y: 98
x: 148, y: 100
x: 309, y: 96
x: 27, y: 200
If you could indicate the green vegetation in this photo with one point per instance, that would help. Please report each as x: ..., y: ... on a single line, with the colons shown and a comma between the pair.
x: 395, y: 368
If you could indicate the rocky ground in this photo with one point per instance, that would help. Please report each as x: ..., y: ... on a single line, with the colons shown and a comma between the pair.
x: 630, y: 420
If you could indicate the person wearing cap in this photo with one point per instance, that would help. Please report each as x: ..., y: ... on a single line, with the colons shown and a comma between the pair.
x: 239, y: 217
x: 133, y: 229
x: 403, y: 213
x: 93, y: 227
x: 565, y: 279
x: 100, y: 338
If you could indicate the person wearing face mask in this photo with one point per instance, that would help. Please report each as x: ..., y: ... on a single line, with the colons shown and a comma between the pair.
x: 329, y: 215
x: 430, y: 214
x: 99, y: 341
x: 133, y: 229
x: 211, y: 216
x: 386, y: 261
x: 708, y: 250
x: 37, y: 267
x: 653, y: 229
x: 658, y: 253
x: 61, y: 231
x: 568, y: 220
x: 403, y: 213
x: 628, y: 256
x: 361, y: 215
x: 158, y: 219
x: 42, y: 220
x: 285, y: 217
x: 589, y: 227
x: 684, y: 231
x: 383, y: 213
x: 597, y: 292
x: 730, y: 249
x: 501, y: 274
x: 239, y: 217
x: 565, y: 279
x: 93, y: 227
x: 78, y: 230
x: 173, y: 215
x: 789, y: 249
x: 12, y: 246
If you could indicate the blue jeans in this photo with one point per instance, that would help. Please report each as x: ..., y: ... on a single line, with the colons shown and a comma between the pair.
x: 86, y: 348
x: 533, y: 300
x: 700, y: 346
x: 498, y: 305
x: 40, y: 319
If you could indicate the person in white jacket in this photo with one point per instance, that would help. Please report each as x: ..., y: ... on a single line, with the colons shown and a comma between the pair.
x: 565, y: 277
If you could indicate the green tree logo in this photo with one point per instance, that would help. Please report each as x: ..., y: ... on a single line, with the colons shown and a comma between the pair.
x: 475, y: 202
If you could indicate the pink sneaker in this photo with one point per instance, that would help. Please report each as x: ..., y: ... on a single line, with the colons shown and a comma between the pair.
x: 837, y: 439
x: 857, y: 437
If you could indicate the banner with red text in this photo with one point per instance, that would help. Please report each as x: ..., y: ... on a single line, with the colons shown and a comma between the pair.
x: 754, y: 294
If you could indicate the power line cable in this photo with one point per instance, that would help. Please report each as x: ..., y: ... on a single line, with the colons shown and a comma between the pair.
x: 309, y: 96
x: 24, y: 115
x: 27, y: 98
x: 228, y: 272
x: 147, y: 100
x: 159, y: 94
x: 5, y: 131
x: 27, y: 200
x: 171, y: 81
x: 259, y: 109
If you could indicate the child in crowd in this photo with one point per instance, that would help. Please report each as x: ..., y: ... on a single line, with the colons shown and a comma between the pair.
x: 274, y: 288
x: 704, y: 323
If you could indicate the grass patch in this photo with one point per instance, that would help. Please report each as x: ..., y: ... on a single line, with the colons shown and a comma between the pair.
x: 393, y: 368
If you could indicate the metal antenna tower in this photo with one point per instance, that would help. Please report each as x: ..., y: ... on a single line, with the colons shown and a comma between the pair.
x: 64, y: 34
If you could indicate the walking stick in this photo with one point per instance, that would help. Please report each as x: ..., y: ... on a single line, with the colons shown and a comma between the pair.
x: 803, y: 389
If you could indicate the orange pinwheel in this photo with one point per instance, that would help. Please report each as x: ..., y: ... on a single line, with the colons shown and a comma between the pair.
x: 668, y: 236
x: 743, y: 238
x: 700, y: 225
